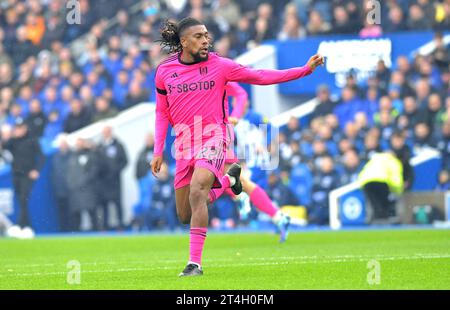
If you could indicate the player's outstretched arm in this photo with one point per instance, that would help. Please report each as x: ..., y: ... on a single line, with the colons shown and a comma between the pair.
x: 239, y: 73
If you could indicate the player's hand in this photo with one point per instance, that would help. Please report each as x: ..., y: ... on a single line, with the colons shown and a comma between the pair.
x: 315, y: 61
x: 6, y: 133
x: 156, y: 165
x: 233, y: 120
x: 33, y: 174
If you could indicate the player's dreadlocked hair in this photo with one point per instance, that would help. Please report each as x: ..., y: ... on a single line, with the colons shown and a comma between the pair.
x: 171, y: 33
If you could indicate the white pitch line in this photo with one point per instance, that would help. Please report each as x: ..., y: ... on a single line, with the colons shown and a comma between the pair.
x: 277, y: 258
x: 295, y: 260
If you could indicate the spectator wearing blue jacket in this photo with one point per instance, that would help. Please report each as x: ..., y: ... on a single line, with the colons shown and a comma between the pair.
x: 128, y: 64
x: 351, y: 167
x: 280, y: 193
x: 120, y: 88
x: 96, y: 82
x: 76, y: 80
x: 348, y: 107
x: 113, y: 61
x: 146, y: 80
x: 25, y: 97
x: 444, y: 181
x: 386, y: 126
x: 54, y: 126
x: 15, y: 114
x: 352, y: 134
x: 134, y: 53
x: 383, y: 75
x: 326, y: 135
x: 50, y: 101
x: 67, y: 95
x: 371, y: 105
x: 94, y: 59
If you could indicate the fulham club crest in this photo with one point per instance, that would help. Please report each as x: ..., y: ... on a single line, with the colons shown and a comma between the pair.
x: 203, y: 70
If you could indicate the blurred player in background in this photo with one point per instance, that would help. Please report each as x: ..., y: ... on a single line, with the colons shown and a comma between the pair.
x: 258, y: 197
x: 191, y: 96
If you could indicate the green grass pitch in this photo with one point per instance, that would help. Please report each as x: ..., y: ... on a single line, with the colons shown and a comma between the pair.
x: 408, y: 259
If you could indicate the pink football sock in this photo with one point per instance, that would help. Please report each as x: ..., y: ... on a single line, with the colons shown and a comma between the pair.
x: 262, y: 202
x: 215, y: 193
x: 196, y: 242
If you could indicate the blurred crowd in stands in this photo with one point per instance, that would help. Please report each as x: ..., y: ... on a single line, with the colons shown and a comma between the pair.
x: 53, y: 85
x: 44, y: 78
x: 405, y: 109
